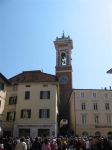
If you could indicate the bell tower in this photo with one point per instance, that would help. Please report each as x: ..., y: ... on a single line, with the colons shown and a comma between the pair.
x: 63, y: 68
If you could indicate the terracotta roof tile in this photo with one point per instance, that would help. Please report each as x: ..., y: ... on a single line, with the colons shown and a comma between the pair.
x: 33, y: 76
x: 4, y: 78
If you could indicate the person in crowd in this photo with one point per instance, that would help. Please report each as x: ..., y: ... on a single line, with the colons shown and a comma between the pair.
x: 59, y: 144
x: 28, y: 143
x: 1, y: 144
x: 36, y: 144
x: 53, y: 144
x: 71, y: 144
x: 8, y: 144
x: 46, y: 144
x: 87, y: 142
x: 21, y: 145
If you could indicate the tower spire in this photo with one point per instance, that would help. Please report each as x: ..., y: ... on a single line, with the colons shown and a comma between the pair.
x: 63, y: 34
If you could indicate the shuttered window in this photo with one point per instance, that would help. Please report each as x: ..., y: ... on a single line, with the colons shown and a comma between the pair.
x: 44, y: 94
x: 27, y: 95
x: 12, y: 100
x: 44, y: 113
x: 1, y: 86
x: 11, y: 116
x: 25, y: 113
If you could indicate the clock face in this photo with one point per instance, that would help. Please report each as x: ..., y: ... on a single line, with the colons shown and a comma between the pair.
x: 63, y: 79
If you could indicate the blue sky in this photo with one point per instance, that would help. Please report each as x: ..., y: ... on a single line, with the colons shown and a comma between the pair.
x: 29, y: 27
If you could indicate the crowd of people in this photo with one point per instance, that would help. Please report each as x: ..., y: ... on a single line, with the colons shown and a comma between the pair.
x: 60, y: 143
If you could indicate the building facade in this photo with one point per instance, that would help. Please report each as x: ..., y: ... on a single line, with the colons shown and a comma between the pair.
x: 90, y: 112
x: 38, y: 103
x: 32, y: 105
x: 3, y: 83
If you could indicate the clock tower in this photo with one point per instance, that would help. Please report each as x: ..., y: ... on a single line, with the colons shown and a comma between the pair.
x: 63, y: 68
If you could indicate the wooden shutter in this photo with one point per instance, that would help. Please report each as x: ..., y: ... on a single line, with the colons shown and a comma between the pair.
x: 14, y: 115
x: 15, y: 99
x: 22, y: 113
x: 48, y: 113
x: 2, y: 86
x: 48, y: 94
x: 41, y: 93
x: 40, y: 112
x: 7, y: 119
x: 29, y: 113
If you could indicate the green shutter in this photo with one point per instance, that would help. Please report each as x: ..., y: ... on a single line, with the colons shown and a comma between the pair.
x: 48, y: 94
x: 10, y: 98
x: 7, y: 119
x: 41, y: 93
x: 29, y: 113
x: 16, y: 100
x: 40, y: 111
x: 1, y: 86
x: 48, y: 113
x: 14, y: 115
x: 22, y: 113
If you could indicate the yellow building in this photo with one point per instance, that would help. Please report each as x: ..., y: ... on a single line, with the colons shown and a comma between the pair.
x: 34, y: 98
x: 31, y: 108
x: 90, y: 112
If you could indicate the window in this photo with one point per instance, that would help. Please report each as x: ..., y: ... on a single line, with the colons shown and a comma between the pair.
x: 28, y: 85
x: 95, y: 106
x: 1, y: 86
x: 106, y: 95
x: 27, y: 95
x: 83, y: 106
x: 107, y: 106
x: 44, y: 113
x: 44, y: 94
x: 14, y: 88
x: 108, y: 118
x: 82, y: 95
x: 25, y: 113
x: 94, y: 95
x: 84, y: 119
x: 10, y: 116
x: 96, y: 119
x: 12, y: 100
x: 63, y: 59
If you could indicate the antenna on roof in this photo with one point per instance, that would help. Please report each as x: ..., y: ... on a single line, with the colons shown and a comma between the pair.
x: 63, y: 34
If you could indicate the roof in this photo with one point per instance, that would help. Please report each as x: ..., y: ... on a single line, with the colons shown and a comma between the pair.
x: 103, y: 89
x: 109, y: 71
x: 33, y: 76
x: 4, y: 78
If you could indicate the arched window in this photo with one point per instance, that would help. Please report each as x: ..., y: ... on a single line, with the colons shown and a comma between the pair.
x: 63, y: 59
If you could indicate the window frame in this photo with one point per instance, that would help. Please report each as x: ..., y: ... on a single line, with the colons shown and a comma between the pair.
x: 107, y: 106
x: 83, y: 106
x: 94, y: 95
x: 8, y: 117
x: 84, y: 119
x: 45, y: 95
x: 44, y: 113
x: 23, y: 115
x: 27, y: 95
x: 95, y: 106
x: 12, y: 100
x: 96, y: 119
